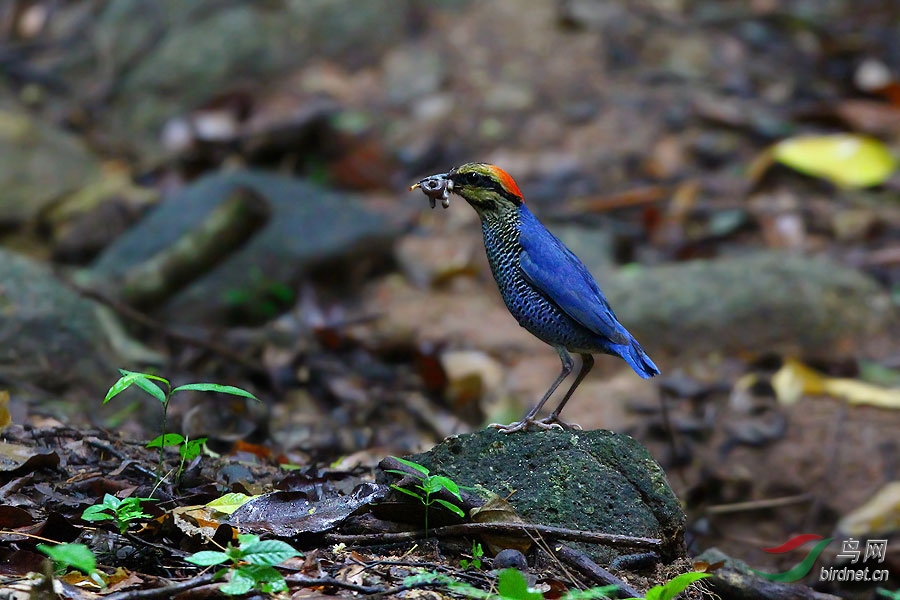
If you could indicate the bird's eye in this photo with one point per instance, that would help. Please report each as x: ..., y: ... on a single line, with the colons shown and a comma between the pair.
x: 470, y: 179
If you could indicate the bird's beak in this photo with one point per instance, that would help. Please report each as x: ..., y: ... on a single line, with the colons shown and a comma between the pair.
x: 436, y: 186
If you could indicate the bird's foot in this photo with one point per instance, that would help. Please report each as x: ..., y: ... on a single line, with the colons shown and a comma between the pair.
x: 555, y: 421
x: 525, y: 424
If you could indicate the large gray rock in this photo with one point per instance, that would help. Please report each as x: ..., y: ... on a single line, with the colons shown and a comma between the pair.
x: 770, y: 301
x: 40, y: 164
x: 169, y: 56
x: 596, y: 481
x: 309, y: 228
x: 51, y: 338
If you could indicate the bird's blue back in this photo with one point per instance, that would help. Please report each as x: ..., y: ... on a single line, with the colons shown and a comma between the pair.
x: 552, y: 294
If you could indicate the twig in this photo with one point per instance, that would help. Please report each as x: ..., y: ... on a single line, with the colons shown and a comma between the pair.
x: 101, y: 445
x: 329, y: 581
x: 559, y: 533
x: 595, y: 572
x: 132, y: 314
x: 721, y: 509
x: 168, y: 591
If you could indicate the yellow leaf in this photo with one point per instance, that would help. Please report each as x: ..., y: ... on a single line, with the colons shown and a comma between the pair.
x: 5, y: 419
x: 795, y: 379
x: 880, y: 515
x: 845, y: 159
x: 230, y: 502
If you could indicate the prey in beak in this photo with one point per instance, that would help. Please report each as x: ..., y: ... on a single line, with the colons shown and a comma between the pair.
x: 436, y: 186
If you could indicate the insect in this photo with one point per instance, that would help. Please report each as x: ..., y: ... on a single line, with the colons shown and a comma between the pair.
x: 436, y: 186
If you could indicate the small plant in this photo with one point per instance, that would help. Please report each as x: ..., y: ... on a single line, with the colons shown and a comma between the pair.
x: 674, y: 587
x: 477, y: 553
x: 430, y: 484
x: 188, y: 449
x: 252, y: 564
x: 76, y: 556
x: 145, y: 381
x: 511, y: 585
x: 123, y: 512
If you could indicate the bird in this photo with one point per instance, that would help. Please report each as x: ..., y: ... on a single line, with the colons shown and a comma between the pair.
x: 544, y: 285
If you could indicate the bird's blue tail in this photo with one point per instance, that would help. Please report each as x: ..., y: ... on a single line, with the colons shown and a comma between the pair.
x: 635, y: 356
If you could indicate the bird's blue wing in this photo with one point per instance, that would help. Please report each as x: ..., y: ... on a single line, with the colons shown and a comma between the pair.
x: 552, y: 268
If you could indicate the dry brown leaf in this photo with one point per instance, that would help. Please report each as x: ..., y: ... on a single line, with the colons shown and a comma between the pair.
x: 498, y: 510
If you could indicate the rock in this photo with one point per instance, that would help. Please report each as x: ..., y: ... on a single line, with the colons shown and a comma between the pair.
x: 412, y: 72
x: 53, y: 339
x: 309, y: 228
x: 737, y: 580
x: 764, y: 302
x: 596, y: 481
x: 40, y: 164
x: 172, y: 56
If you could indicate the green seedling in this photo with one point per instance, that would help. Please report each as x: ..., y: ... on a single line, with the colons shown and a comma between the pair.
x: 188, y: 449
x: 162, y: 390
x: 674, y: 587
x: 252, y: 564
x: 76, y: 556
x: 429, y: 485
x: 477, y: 553
x: 511, y: 585
x: 123, y: 512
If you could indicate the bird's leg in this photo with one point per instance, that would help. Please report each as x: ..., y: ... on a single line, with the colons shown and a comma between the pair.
x: 587, y: 363
x: 567, y: 364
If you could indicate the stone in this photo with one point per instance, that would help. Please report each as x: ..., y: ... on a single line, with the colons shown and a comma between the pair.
x: 40, y: 164
x: 761, y: 302
x: 596, y: 481
x: 53, y: 339
x: 309, y: 228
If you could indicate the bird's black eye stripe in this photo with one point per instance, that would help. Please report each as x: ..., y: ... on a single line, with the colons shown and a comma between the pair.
x: 484, y: 182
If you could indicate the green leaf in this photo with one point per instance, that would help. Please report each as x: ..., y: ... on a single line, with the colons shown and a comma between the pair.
x: 513, y: 585
x: 96, y: 512
x: 268, y: 552
x: 192, y: 449
x: 847, y: 160
x: 411, y: 464
x: 266, y: 577
x: 607, y: 591
x: 675, y: 586
x: 408, y: 492
x: 247, y: 539
x: 230, y: 502
x: 119, y: 386
x: 77, y: 556
x: 141, y: 380
x: 241, y: 583
x: 206, y: 558
x: 449, y: 484
x: 451, y: 507
x: 215, y: 387
x: 169, y: 439
x: 110, y: 501
x: 151, y: 388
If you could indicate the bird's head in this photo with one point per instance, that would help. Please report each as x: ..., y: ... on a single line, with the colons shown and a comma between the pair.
x: 487, y: 188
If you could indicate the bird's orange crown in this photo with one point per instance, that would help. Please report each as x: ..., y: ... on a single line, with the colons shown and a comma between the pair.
x: 505, y: 180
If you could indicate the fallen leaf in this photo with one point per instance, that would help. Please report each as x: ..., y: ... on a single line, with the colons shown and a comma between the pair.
x: 5, y: 418
x: 879, y: 515
x: 498, y: 510
x: 795, y: 379
x: 847, y: 160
